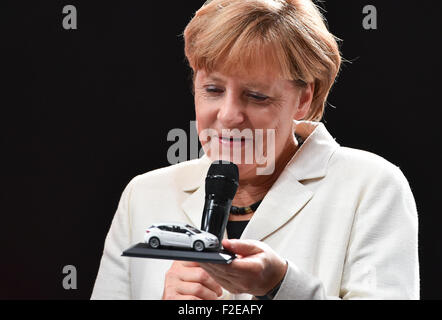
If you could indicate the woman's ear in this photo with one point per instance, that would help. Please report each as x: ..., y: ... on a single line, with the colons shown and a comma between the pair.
x: 305, y: 101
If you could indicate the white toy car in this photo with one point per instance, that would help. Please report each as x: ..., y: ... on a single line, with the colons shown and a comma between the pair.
x: 179, y: 235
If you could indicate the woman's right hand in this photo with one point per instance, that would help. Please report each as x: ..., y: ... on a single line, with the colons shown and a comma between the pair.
x: 188, y: 281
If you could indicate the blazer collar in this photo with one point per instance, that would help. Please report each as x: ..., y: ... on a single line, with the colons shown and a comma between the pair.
x: 195, y: 174
x: 311, y: 160
x: 286, y: 197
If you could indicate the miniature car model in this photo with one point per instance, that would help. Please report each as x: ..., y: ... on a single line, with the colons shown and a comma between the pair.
x: 179, y: 235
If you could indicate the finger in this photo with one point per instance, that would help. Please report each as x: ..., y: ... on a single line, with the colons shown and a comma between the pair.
x: 228, y: 282
x: 188, y: 264
x: 215, y: 270
x: 199, y: 275
x: 186, y: 297
x: 174, y: 295
x: 242, y: 247
x: 196, y: 289
x: 232, y: 272
x: 211, y: 270
x: 222, y: 273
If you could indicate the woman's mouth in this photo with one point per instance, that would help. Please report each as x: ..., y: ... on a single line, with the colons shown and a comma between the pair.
x: 231, y: 141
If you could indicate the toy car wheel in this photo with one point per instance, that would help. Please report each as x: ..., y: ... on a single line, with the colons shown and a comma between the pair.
x: 154, y: 242
x: 198, y: 246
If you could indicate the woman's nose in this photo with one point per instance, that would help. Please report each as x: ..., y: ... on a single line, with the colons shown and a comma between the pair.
x: 231, y: 113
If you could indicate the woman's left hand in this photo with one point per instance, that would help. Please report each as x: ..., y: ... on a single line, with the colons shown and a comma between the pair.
x: 256, y: 270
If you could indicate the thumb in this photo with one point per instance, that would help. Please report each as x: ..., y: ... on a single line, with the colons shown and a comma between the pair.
x: 242, y: 247
x: 188, y: 264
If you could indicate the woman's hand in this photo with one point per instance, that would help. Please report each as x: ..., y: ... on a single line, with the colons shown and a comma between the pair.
x: 256, y: 270
x: 188, y: 281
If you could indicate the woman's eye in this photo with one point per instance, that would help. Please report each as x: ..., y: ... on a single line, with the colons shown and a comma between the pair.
x: 258, y: 97
x: 254, y: 96
x: 213, y: 90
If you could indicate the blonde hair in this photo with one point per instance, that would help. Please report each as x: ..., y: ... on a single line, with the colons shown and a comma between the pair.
x: 289, y: 36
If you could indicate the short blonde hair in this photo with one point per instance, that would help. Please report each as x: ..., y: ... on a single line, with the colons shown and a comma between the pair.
x: 289, y: 35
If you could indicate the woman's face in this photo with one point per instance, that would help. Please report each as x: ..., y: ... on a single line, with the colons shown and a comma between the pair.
x: 247, y: 103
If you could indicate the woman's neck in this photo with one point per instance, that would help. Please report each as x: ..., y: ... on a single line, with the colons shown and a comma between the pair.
x: 254, y: 189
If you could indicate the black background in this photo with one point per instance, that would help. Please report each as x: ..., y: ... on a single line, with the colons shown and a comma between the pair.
x: 84, y: 111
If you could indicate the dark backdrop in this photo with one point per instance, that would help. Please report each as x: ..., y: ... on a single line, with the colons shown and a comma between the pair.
x: 84, y: 111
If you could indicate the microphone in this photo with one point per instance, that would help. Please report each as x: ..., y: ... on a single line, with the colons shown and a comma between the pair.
x: 221, y: 186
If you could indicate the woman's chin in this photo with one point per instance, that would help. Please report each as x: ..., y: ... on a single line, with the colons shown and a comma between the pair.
x: 246, y: 170
x: 243, y: 168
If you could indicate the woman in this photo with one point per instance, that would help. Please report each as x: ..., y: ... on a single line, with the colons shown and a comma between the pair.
x: 325, y: 222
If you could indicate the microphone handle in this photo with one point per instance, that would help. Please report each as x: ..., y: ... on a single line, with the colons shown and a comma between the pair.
x: 215, y: 216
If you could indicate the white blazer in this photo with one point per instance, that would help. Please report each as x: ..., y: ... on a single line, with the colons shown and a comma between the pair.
x: 345, y: 220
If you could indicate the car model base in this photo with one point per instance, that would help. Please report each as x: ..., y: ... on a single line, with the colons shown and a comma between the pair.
x: 142, y: 250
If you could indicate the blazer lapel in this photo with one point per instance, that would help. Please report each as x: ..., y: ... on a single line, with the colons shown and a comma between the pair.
x: 277, y: 208
x: 193, y: 206
x: 193, y: 181
x: 283, y: 201
x: 285, y: 198
x: 288, y: 195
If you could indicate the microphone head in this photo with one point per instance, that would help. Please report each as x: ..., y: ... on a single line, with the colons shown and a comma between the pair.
x: 222, y: 180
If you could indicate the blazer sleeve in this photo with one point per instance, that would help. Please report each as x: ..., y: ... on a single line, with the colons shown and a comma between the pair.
x: 113, y: 278
x: 382, y: 255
